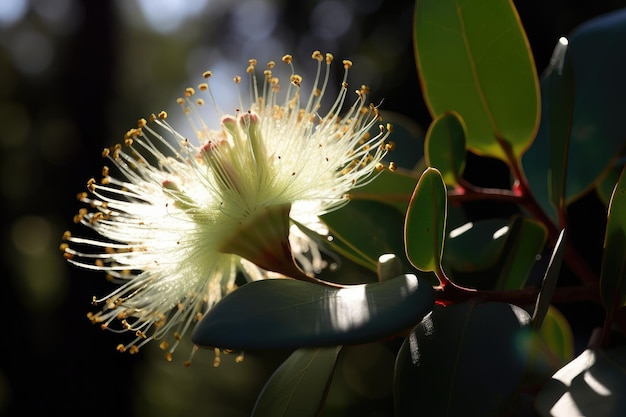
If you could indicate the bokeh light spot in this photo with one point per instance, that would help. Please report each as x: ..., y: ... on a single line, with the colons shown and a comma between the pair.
x: 330, y: 19
x: 165, y: 16
x: 32, y: 52
x: 12, y: 11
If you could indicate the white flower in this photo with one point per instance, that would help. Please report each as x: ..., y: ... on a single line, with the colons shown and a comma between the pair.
x: 181, y: 219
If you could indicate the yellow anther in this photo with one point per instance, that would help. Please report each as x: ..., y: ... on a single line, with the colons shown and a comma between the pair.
x: 389, y: 127
x: 203, y: 87
x: 162, y: 115
x: 189, y: 92
x: 207, y: 74
x: 200, y: 102
x: 287, y: 59
x: 121, y: 348
x: 163, y: 345
x: 141, y: 123
x: 329, y: 58
x: 317, y: 55
x: 168, y: 356
x: 237, y: 79
x: 105, y: 152
x: 250, y: 69
x: 180, y: 101
x: 347, y: 63
x: 252, y: 62
x: 271, y: 64
x: 392, y: 166
x: 296, y: 80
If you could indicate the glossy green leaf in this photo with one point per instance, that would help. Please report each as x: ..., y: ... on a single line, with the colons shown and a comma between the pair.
x: 549, y: 282
x: 560, y: 96
x: 473, y: 58
x: 425, y: 223
x: 299, y: 386
x: 285, y: 313
x: 462, y: 360
x: 389, y: 266
x: 590, y: 385
x: 613, y: 272
x: 556, y: 332
x: 607, y: 184
x: 475, y: 246
x: 445, y: 146
x: 363, y: 230
x: 525, y: 240
x: 392, y: 188
x: 598, y: 126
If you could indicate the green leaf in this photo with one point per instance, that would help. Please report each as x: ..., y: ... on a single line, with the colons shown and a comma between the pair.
x: 613, y: 272
x: 607, y: 184
x: 550, y: 280
x: 299, y: 386
x: 597, y: 133
x: 425, y: 223
x: 473, y: 57
x: 525, y: 240
x: 462, y: 360
x: 556, y: 332
x: 445, y: 146
x: 392, y: 188
x: 363, y: 230
x: 560, y: 96
x: 407, y: 137
x: 475, y: 246
x: 285, y: 313
x: 590, y: 385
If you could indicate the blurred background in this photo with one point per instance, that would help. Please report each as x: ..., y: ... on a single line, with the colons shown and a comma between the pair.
x: 74, y: 76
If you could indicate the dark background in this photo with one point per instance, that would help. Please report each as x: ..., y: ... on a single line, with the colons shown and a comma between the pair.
x: 74, y: 76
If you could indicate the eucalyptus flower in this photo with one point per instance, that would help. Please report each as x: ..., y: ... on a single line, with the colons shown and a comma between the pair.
x: 180, y: 218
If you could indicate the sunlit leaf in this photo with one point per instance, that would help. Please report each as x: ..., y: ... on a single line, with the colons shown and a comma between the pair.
x: 425, y: 224
x: 613, y: 272
x: 462, y: 360
x: 590, y: 385
x: 445, y: 146
x: 285, y: 313
x: 299, y: 386
x: 473, y: 57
